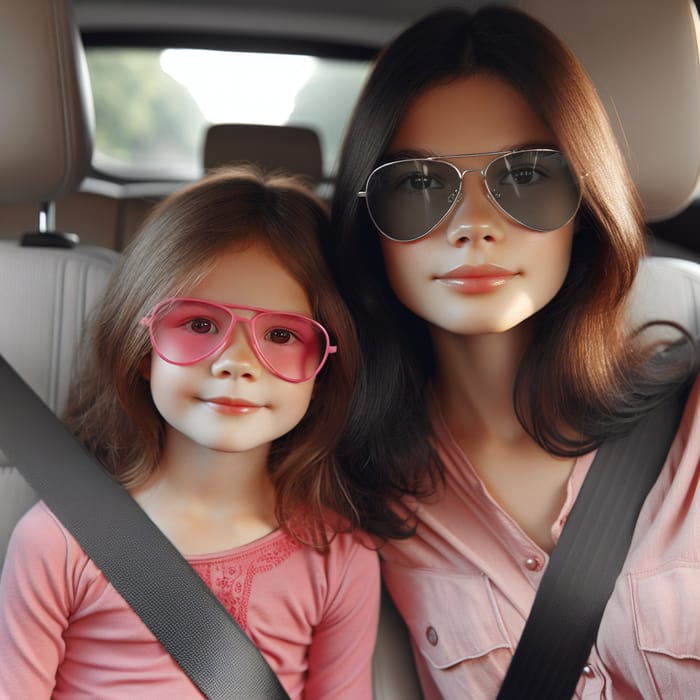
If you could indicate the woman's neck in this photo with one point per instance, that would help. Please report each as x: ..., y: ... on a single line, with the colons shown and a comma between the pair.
x: 475, y: 379
x: 474, y: 387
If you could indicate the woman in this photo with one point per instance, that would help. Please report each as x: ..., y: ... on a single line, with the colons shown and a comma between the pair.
x: 487, y: 236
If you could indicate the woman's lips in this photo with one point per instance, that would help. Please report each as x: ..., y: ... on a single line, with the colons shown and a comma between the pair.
x: 476, y: 279
x: 229, y: 406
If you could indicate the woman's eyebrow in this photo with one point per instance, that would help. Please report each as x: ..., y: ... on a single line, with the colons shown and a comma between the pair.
x: 528, y: 145
x: 408, y: 154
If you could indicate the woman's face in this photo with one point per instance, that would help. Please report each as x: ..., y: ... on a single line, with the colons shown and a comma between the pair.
x: 478, y: 271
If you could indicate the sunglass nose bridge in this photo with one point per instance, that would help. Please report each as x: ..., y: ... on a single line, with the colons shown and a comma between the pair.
x: 458, y: 193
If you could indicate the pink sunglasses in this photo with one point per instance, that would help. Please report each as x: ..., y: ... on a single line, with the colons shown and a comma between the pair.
x: 185, y: 331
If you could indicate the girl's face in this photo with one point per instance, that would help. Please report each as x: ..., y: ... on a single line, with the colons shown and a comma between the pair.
x: 478, y: 271
x: 230, y: 402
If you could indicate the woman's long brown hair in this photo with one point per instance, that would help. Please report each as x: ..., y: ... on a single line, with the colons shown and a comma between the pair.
x: 582, y: 379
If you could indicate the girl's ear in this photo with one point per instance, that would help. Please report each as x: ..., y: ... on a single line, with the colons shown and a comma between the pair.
x: 145, y: 367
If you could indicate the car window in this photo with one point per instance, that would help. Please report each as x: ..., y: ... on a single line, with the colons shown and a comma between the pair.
x: 153, y: 105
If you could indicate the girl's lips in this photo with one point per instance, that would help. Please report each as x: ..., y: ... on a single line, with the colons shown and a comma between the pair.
x: 224, y: 404
x: 476, y: 279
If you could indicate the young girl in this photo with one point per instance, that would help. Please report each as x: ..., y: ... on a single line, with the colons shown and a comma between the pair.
x: 215, y: 383
x: 487, y: 236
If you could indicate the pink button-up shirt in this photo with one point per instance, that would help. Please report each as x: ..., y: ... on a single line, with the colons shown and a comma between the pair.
x: 466, y: 582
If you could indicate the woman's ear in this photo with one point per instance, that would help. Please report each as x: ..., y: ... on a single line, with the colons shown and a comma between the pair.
x: 145, y: 367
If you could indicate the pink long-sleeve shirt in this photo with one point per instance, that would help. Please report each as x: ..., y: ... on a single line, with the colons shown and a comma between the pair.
x: 466, y: 582
x: 66, y: 633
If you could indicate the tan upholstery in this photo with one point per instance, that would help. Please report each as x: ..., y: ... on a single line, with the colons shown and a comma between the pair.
x: 668, y: 289
x: 643, y: 57
x: 45, y: 150
x: 292, y: 149
x: 45, y: 130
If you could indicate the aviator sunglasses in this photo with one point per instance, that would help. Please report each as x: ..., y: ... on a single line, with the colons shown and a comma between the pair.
x: 535, y: 187
x: 184, y: 331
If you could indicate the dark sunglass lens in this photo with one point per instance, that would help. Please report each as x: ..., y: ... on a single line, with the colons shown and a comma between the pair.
x: 536, y: 188
x: 408, y: 198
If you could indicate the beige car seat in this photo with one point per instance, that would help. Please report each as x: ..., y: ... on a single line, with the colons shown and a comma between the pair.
x: 45, y: 150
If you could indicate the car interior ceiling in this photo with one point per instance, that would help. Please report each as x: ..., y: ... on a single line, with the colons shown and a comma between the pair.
x: 50, y: 290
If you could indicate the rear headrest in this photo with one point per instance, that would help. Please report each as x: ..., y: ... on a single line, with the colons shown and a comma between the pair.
x: 46, y: 114
x: 643, y: 57
x: 293, y: 149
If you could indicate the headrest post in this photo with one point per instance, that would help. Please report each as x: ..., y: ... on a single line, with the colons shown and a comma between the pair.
x: 47, y: 236
x: 47, y: 216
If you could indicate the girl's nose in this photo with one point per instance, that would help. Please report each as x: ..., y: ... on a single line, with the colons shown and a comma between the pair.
x: 237, y: 359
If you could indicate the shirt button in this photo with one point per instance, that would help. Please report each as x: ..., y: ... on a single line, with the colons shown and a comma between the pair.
x: 432, y: 636
x: 588, y: 671
x: 533, y: 563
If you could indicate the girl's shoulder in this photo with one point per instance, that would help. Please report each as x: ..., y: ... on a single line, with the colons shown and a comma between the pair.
x: 348, y: 542
x: 355, y: 543
x: 41, y: 540
x: 40, y: 528
x: 43, y: 551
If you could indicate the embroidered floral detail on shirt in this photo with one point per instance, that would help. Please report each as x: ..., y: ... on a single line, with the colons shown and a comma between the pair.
x: 230, y: 576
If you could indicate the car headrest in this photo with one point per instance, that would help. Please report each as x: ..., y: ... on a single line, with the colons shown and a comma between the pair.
x: 292, y: 149
x: 643, y: 58
x: 46, y: 124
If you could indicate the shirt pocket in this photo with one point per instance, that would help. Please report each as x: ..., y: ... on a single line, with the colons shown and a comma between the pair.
x: 451, y: 617
x: 666, y: 605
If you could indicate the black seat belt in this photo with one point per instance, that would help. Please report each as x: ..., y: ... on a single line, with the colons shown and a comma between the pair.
x: 139, y: 561
x: 579, y: 579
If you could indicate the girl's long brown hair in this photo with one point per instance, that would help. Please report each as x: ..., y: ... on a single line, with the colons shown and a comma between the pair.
x: 109, y: 406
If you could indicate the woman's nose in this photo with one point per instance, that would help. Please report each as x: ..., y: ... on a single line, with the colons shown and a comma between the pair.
x: 237, y: 359
x: 474, y: 218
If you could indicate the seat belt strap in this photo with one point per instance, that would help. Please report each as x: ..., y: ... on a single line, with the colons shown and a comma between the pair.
x: 133, y: 554
x: 581, y: 574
